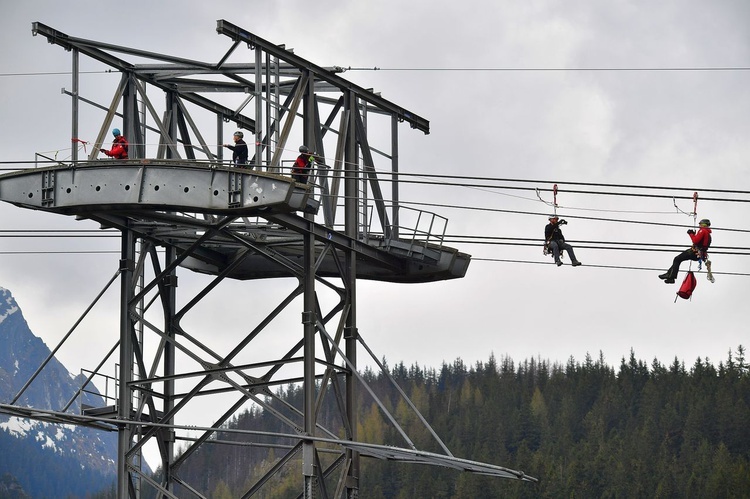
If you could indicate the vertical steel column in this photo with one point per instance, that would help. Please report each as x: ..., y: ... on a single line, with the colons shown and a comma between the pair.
x: 130, y: 118
x: 276, y: 103
x: 394, y: 184
x: 170, y: 305
x: 142, y: 120
x: 171, y: 114
x: 351, y: 226
x: 308, y: 320
x: 258, y: 107
x: 269, y: 115
x: 220, y: 138
x: 74, y: 110
x: 124, y: 400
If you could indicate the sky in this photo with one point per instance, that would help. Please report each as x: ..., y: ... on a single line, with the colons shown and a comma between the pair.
x: 554, y: 92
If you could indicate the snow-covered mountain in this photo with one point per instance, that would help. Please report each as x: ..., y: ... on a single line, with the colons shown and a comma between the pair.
x: 61, y: 447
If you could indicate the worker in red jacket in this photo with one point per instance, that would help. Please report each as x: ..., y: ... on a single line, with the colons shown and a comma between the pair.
x: 302, y: 165
x: 699, y: 250
x: 119, y: 146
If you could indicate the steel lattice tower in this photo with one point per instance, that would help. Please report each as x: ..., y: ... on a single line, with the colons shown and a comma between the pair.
x: 183, y: 206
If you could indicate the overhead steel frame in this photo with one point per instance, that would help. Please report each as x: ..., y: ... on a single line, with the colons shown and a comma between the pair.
x: 220, y: 241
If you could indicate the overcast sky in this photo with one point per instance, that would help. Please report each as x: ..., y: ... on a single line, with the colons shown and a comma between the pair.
x: 585, y: 101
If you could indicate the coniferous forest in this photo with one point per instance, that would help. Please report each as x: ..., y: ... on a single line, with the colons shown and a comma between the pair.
x: 584, y: 429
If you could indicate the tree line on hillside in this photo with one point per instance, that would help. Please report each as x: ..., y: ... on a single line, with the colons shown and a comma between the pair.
x: 584, y: 429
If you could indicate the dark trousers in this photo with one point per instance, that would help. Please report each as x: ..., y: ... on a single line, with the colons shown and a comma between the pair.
x: 558, y: 246
x: 688, y: 254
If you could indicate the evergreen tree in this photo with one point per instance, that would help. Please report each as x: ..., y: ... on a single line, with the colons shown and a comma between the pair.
x: 584, y: 429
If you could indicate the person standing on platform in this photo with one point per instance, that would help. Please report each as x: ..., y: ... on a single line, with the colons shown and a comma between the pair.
x: 303, y: 165
x: 239, y: 149
x: 119, y: 146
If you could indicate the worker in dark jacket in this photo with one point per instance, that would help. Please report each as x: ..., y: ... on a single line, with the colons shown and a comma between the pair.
x: 698, y: 251
x: 119, y: 146
x: 554, y: 241
x: 239, y: 149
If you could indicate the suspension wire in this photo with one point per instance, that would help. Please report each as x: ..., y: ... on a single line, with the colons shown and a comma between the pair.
x: 497, y: 241
x: 406, y: 204
x: 61, y: 252
x: 618, y: 267
x: 462, y: 181
x: 28, y: 235
x: 473, y: 70
x: 614, y: 245
x: 55, y: 73
x: 552, y: 182
x: 552, y: 69
x: 613, y: 248
x: 569, y: 191
x: 67, y: 231
x: 578, y: 217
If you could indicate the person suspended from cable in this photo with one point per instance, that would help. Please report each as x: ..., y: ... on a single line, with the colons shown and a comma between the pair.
x: 554, y: 241
x: 119, y: 146
x: 303, y: 164
x: 697, y: 252
x: 239, y: 149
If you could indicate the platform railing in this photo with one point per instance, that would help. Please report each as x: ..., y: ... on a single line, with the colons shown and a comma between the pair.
x: 420, y: 228
x: 109, y: 395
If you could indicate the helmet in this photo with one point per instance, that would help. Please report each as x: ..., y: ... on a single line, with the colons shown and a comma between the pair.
x: 239, y: 134
x: 705, y: 222
x: 116, y: 132
x: 303, y: 149
x: 552, y: 216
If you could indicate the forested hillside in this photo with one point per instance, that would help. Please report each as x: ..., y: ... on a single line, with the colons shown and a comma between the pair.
x: 584, y: 429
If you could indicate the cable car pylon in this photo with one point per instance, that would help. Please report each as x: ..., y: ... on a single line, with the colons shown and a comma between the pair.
x: 180, y: 205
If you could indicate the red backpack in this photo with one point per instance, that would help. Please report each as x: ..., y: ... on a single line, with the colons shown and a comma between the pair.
x: 688, y: 285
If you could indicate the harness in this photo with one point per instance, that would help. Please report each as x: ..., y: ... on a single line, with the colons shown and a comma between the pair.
x: 701, y: 250
x: 555, y: 231
x: 123, y: 142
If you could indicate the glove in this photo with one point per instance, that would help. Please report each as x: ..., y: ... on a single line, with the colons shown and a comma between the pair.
x: 103, y: 150
x: 562, y: 222
x: 691, y: 232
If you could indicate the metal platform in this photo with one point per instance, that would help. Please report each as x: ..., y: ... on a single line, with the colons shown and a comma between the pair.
x: 174, y: 203
x: 164, y: 185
